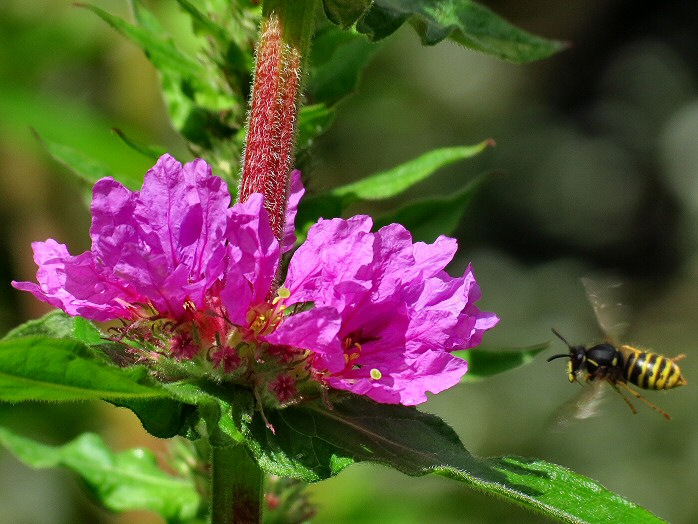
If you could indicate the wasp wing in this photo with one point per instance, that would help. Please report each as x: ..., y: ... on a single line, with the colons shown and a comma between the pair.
x: 583, y: 405
x: 606, y: 298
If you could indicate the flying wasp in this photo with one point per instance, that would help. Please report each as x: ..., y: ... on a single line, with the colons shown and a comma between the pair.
x: 615, y: 363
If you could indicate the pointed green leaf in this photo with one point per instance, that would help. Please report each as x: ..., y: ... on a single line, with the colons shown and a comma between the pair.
x: 190, y: 90
x: 383, y: 185
x: 553, y: 490
x: 229, y: 34
x: 87, y: 169
x: 196, y: 78
x: 312, y: 443
x: 129, y: 480
x: 152, y: 152
x: 345, y: 13
x: 388, y: 184
x: 428, y: 218
x: 468, y: 23
x: 68, y: 122
x: 202, y: 23
x: 483, y: 363
x: 151, y: 38
x: 59, y: 370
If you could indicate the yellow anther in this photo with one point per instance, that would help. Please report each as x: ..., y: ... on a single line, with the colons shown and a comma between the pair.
x: 350, y: 357
x: 281, y: 294
x: 189, y: 305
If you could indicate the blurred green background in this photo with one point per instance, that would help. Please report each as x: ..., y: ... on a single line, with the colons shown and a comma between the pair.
x: 598, y: 162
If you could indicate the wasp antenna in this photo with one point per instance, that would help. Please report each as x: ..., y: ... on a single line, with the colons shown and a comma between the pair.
x: 561, y: 337
x: 561, y: 355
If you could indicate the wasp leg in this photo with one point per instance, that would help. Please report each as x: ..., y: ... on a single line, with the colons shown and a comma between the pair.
x: 630, y: 404
x: 678, y: 357
x: 643, y: 399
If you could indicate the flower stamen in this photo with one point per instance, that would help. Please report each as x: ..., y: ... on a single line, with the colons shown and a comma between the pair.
x: 351, y: 356
x: 265, y: 318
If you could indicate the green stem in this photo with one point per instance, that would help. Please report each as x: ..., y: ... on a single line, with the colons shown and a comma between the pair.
x: 237, y: 485
x: 297, y: 18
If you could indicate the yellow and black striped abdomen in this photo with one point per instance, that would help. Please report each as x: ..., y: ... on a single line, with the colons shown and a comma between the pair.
x: 651, y: 370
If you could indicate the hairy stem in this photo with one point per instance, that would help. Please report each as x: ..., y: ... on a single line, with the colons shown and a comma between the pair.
x: 271, y: 129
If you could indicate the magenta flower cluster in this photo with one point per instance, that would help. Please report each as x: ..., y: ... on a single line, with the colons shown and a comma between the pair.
x: 193, y: 278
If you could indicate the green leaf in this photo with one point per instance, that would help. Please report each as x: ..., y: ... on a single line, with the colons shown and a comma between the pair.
x: 483, y: 363
x: 64, y: 120
x: 202, y: 23
x: 86, y: 332
x: 430, y: 217
x: 152, y: 152
x: 468, y: 23
x: 53, y: 324
x: 125, y: 481
x: 554, y: 491
x: 224, y: 409
x: 312, y: 443
x: 383, y: 185
x: 150, y: 37
x: 229, y: 35
x: 59, y: 370
x: 198, y: 80
x: 336, y: 62
x: 87, y: 169
x: 57, y: 324
x: 194, y: 96
x: 388, y: 184
x: 345, y: 13
x: 161, y: 417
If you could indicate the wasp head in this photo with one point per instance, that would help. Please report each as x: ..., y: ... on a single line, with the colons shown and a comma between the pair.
x: 577, y: 356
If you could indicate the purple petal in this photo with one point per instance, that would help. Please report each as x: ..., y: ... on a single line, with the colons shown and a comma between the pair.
x: 432, y: 258
x: 445, y: 315
x: 434, y: 371
x: 207, y: 258
x: 167, y: 240
x: 402, y: 314
x: 253, y: 256
x: 335, y: 251
x: 315, y: 330
x: 236, y: 296
x: 75, y: 285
